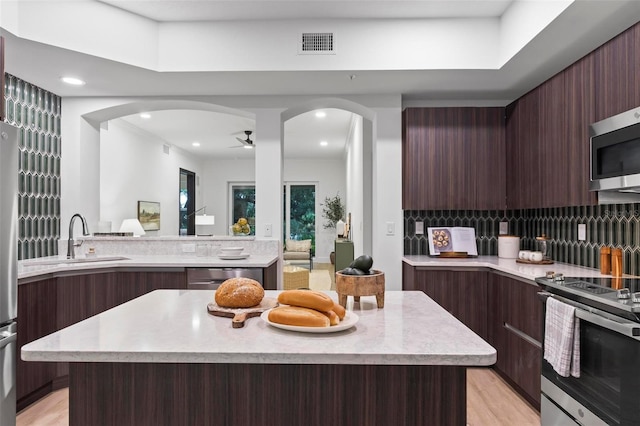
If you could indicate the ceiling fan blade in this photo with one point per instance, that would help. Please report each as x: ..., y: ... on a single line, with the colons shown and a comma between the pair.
x: 242, y: 141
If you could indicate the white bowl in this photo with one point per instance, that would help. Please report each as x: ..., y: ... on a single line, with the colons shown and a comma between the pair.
x: 231, y: 251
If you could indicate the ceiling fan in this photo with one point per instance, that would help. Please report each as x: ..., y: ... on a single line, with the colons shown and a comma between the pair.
x: 246, y: 143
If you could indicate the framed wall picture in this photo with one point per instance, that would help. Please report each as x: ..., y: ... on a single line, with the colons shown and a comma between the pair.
x: 149, y: 215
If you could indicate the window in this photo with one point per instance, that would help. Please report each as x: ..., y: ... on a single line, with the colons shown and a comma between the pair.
x: 243, y: 204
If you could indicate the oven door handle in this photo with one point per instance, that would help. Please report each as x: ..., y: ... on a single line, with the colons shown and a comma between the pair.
x: 627, y: 328
x: 593, y: 315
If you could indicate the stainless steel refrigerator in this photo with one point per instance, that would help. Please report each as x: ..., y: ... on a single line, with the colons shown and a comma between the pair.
x: 8, y: 271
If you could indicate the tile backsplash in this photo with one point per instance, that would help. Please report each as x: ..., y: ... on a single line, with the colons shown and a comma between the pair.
x: 615, y: 225
x: 37, y: 114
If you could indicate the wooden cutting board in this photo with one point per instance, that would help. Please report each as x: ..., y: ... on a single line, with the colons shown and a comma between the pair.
x: 240, y: 315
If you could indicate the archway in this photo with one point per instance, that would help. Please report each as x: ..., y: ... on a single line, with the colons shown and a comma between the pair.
x: 364, y: 225
x: 85, y: 175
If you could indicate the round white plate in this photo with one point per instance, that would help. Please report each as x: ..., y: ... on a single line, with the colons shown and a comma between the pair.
x: 350, y: 319
x: 233, y: 256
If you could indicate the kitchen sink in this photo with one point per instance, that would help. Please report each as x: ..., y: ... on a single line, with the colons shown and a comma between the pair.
x: 64, y: 261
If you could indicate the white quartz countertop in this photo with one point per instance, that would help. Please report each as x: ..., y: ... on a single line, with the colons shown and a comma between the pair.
x: 55, y: 264
x: 174, y: 326
x: 509, y: 266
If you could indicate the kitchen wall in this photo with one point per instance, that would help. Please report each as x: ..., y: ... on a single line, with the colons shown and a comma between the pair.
x: 614, y: 225
x: 37, y: 113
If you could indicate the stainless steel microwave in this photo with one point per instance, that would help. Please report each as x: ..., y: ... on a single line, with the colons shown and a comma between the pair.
x: 615, y: 153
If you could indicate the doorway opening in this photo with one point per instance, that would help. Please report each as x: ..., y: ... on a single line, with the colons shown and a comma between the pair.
x: 299, y: 222
x: 187, y: 203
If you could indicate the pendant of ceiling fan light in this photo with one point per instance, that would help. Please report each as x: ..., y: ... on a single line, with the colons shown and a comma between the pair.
x: 247, y: 141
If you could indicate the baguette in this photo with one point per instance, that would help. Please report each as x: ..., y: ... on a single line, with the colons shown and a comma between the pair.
x: 338, y: 309
x: 307, y: 299
x: 333, y: 317
x: 295, y: 315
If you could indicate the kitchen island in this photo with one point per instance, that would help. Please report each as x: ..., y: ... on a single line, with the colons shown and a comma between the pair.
x: 162, y: 359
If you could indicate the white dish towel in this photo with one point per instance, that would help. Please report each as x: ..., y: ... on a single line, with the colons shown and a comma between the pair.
x: 562, y: 338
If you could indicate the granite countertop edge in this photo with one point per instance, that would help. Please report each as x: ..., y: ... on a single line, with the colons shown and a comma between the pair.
x: 35, y: 267
x: 173, y: 326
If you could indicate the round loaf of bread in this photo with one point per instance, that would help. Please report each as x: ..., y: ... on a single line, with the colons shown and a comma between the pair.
x: 239, y: 293
x: 301, y: 317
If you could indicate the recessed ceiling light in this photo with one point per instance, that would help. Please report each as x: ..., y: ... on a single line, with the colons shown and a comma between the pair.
x: 196, y: 144
x: 324, y: 143
x: 321, y: 114
x: 73, y: 81
x: 145, y: 115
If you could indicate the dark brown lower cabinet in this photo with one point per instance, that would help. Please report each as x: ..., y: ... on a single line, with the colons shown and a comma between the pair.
x: 145, y: 394
x: 503, y: 310
x: 515, y: 330
x: 51, y: 304
x: 36, y: 312
x: 461, y: 293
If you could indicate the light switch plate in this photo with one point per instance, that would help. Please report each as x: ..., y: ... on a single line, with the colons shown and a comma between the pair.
x: 582, y: 232
x: 419, y: 228
x: 504, y: 228
x: 391, y: 228
x: 267, y: 230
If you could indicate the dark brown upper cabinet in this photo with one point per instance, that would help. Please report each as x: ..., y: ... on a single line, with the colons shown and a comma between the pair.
x: 616, y: 74
x: 453, y: 158
x: 548, y: 141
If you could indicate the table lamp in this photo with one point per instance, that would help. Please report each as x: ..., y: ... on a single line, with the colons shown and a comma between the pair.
x: 204, y: 224
x: 132, y: 225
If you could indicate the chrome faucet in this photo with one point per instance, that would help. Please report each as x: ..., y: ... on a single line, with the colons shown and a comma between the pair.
x: 71, y: 253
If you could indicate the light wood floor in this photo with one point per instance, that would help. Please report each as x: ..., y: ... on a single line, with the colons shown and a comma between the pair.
x: 490, y: 402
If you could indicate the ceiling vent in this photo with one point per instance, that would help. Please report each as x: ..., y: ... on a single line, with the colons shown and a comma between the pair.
x: 316, y: 44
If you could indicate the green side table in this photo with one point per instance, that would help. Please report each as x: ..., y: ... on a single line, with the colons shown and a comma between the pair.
x: 344, y: 253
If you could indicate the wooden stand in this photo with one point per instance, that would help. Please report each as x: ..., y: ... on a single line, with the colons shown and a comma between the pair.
x: 360, y: 285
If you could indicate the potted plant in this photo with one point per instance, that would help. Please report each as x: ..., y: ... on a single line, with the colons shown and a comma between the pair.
x: 332, y: 211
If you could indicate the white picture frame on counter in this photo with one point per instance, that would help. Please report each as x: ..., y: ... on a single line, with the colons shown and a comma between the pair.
x: 444, y: 239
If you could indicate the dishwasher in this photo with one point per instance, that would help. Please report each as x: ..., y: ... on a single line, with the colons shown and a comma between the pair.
x: 211, y: 278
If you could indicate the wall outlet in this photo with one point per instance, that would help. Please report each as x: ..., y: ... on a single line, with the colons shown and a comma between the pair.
x: 582, y: 232
x: 188, y: 248
x: 419, y: 228
x: 504, y: 228
x: 267, y: 230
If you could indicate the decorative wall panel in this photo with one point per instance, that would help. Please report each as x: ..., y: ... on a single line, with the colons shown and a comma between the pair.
x: 36, y: 112
x: 612, y: 225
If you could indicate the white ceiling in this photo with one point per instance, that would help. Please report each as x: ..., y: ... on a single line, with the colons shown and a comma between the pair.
x: 580, y: 28
x: 240, y: 10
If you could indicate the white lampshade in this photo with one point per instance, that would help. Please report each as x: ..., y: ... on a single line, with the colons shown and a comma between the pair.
x: 132, y: 225
x: 204, y: 224
x: 205, y: 220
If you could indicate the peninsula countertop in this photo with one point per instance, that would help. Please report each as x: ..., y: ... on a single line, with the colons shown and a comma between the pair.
x: 173, y: 326
x: 60, y: 265
x: 508, y: 266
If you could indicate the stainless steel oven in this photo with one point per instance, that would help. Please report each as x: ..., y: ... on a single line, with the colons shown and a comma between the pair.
x: 608, y: 389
